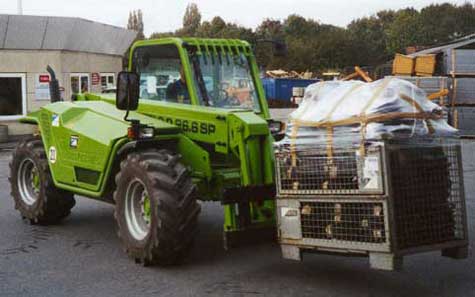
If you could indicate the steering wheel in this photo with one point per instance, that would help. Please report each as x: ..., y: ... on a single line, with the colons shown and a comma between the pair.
x: 219, y: 98
x: 222, y: 98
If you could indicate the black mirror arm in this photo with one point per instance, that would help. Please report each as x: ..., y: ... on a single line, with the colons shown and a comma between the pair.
x: 128, y: 111
x: 126, y: 116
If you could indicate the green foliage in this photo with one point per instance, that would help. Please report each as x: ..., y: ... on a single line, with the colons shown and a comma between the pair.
x: 191, y: 20
x: 314, y: 46
x: 405, y: 30
x: 135, y: 23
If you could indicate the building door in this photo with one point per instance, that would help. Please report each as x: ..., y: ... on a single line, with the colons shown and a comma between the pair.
x: 79, y: 83
x: 12, y: 96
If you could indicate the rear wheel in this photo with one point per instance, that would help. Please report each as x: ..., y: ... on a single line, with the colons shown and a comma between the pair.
x: 32, y: 187
x: 156, y: 208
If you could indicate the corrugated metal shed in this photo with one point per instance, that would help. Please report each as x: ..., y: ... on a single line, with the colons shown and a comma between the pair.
x: 62, y: 33
x: 445, y: 48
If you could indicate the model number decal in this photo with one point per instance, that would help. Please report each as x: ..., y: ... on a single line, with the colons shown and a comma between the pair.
x: 191, y: 126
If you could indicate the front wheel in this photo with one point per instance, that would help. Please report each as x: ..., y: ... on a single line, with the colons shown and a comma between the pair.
x: 32, y: 186
x: 156, y: 209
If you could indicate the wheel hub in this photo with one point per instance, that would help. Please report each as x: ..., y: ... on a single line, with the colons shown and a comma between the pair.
x: 28, y: 181
x: 137, y: 210
x: 146, y: 210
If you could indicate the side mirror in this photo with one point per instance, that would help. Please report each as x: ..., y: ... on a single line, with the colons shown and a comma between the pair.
x: 128, y: 91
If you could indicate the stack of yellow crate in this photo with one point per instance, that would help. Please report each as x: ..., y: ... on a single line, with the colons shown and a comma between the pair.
x: 425, y: 65
x: 403, y: 65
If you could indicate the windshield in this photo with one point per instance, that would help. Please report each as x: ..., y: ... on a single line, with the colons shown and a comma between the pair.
x: 227, y: 80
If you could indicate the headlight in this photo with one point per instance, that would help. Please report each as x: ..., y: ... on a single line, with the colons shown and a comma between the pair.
x: 137, y: 131
x: 146, y: 132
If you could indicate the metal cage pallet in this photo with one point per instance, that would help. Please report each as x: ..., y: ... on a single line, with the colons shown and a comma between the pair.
x: 415, y: 202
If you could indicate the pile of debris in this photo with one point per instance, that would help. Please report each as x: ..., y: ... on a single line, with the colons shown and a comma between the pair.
x: 289, y: 74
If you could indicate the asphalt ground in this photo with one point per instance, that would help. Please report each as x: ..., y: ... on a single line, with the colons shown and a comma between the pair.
x: 83, y: 257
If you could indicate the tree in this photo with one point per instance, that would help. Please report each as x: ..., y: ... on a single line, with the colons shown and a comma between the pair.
x: 191, y: 20
x: 314, y: 46
x: 270, y: 29
x: 157, y: 35
x: 367, y: 40
x: 135, y: 23
x: 140, y: 25
x: 296, y: 25
x: 404, y: 31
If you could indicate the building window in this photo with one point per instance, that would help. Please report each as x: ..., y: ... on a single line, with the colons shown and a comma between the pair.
x: 107, y: 81
x: 12, y: 96
x: 79, y: 83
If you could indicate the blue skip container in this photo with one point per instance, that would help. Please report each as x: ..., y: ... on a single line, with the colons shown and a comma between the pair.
x: 281, y: 88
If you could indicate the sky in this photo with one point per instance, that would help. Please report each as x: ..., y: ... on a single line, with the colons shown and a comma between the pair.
x: 163, y: 16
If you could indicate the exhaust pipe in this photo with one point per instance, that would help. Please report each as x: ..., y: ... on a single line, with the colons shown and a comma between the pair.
x: 55, y: 94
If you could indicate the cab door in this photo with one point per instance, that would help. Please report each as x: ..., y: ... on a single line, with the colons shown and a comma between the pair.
x: 168, y: 92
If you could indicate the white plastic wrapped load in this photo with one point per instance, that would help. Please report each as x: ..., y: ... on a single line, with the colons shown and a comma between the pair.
x: 352, y: 111
x: 334, y: 140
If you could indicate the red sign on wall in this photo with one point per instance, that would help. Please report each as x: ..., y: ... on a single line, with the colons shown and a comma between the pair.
x: 96, y: 78
x: 43, y: 78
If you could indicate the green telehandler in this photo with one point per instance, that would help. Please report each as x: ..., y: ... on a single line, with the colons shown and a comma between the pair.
x: 189, y: 121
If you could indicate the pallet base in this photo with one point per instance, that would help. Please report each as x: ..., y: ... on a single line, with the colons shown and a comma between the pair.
x: 377, y: 260
x: 385, y: 261
x: 291, y: 252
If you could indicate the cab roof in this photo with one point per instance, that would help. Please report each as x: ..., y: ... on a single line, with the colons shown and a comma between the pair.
x: 202, y: 44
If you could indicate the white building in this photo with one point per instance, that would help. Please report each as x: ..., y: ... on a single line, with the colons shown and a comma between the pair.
x: 85, y: 55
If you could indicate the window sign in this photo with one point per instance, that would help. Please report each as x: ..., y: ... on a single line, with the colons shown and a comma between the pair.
x: 42, y: 87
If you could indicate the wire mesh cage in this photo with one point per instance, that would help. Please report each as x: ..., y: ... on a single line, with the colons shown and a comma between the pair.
x: 427, y: 189
x: 393, y: 196
x: 313, y: 171
x: 359, y: 222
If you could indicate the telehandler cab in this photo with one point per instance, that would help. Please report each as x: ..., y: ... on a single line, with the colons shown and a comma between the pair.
x: 201, y: 130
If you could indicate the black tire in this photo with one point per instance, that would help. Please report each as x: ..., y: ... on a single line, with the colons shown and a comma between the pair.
x: 46, y: 204
x: 169, y: 230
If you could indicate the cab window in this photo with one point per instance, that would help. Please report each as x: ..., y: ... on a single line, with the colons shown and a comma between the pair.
x: 227, y: 81
x: 161, y: 74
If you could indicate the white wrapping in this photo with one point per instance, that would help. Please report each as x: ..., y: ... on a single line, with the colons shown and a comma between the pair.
x: 334, y: 101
